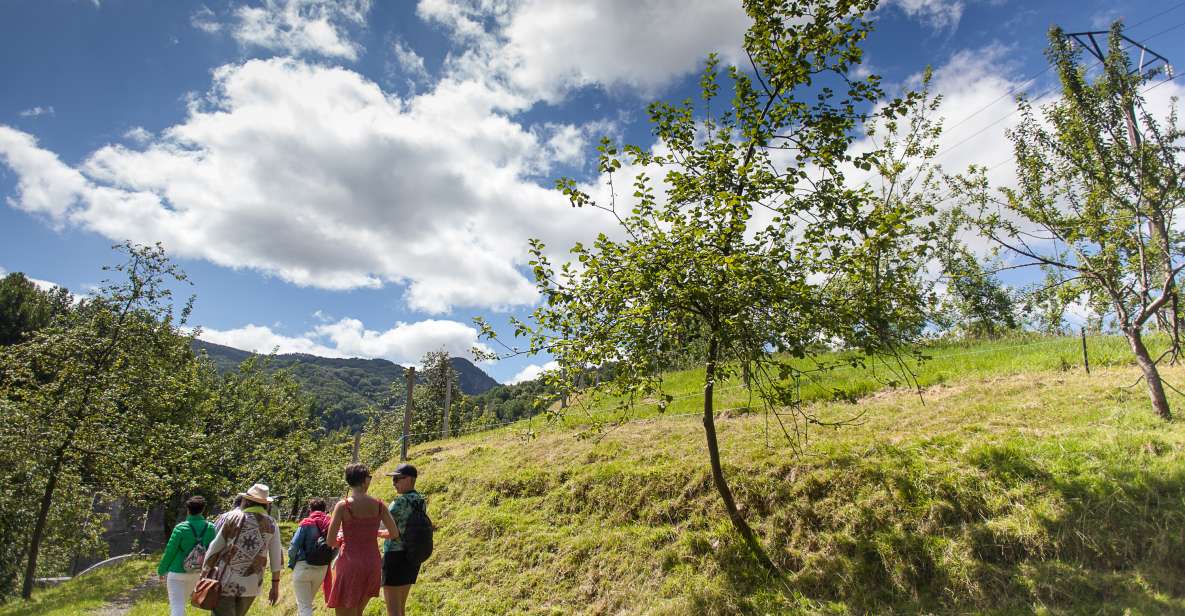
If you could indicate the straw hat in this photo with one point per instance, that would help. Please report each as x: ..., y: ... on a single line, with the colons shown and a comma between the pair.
x: 258, y: 493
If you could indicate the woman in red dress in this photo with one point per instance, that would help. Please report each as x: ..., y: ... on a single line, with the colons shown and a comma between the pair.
x: 357, y: 573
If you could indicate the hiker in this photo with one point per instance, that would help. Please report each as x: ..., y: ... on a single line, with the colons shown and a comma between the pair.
x: 184, y: 555
x: 356, y: 575
x: 399, y: 571
x: 305, y: 555
x: 234, y: 508
x: 247, y: 541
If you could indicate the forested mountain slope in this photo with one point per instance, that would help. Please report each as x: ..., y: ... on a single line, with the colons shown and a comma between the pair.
x: 343, y: 388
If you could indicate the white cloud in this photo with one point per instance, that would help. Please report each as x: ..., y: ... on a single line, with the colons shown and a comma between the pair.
x: 532, y: 372
x: 205, y: 20
x: 138, y: 134
x: 317, y: 176
x: 545, y: 48
x: 46, y: 185
x: 405, y: 343
x: 261, y: 339
x: 938, y: 14
x: 301, y: 26
x: 409, y: 62
x: 37, y: 112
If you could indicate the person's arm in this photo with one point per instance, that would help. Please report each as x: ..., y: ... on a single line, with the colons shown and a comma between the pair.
x: 389, y: 522
x: 216, y: 546
x: 171, y: 549
x: 276, y: 558
x: 297, y: 543
x: 335, y: 524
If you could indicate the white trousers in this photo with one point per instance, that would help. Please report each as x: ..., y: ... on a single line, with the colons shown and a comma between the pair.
x: 306, y: 579
x: 180, y: 586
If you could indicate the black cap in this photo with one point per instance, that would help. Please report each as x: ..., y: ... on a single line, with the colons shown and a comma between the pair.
x: 404, y: 470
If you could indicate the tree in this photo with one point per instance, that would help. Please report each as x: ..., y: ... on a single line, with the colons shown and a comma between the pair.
x: 24, y: 308
x: 87, y: 394
x: 1099, y: 181
x: 759, y: 243
x: 977, y: 304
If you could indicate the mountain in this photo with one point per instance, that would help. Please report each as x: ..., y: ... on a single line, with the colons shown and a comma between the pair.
x: 342, y: 388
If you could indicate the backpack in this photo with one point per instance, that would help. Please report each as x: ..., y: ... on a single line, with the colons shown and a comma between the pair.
x: 197, y: 556
x: 320, y: 554
x: 417, y: 534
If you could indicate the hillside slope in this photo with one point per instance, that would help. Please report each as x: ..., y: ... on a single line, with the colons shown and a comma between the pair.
x: 1015, y: 484
x: 342, y: 388
x: 1041, y: 491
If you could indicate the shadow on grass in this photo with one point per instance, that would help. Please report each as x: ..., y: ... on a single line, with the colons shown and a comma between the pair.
x: 1010, y: 529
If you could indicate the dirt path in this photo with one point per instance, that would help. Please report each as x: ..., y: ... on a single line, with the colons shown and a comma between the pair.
x: 123, y: 603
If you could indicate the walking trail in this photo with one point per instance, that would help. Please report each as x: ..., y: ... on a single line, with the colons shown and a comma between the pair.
x: 123, y: 603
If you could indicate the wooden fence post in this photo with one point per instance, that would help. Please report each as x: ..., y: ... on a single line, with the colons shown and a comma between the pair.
x: 407, y: 411
x: 1085, y: 357
x: 448, y: 394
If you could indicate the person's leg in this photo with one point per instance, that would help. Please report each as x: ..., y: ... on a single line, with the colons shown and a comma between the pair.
x: 304, y: 587
x: 243, y: 604
x: 391, y: 600
x: 401, y: 593
x: 176, y: 585
x: 227, y: 606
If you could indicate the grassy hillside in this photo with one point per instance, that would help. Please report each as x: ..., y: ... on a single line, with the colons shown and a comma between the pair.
x: 1016, y: 484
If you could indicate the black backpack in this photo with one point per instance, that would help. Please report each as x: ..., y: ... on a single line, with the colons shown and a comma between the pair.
x: 417, y: 534
x: 320, y: 554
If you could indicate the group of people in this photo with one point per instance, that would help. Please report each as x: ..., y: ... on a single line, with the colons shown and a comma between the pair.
x: 237, y: 546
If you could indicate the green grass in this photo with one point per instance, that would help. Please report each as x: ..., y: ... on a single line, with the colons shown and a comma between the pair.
x: 1016, y: 484
x: 942, y: 362
x: 83, y: 594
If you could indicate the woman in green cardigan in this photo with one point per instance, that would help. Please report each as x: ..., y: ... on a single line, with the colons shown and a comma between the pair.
x: 195, y: 531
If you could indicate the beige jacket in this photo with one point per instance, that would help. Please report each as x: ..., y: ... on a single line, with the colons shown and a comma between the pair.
x: 244, y: 545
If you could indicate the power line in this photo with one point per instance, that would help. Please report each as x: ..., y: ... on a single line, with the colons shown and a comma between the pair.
x: 1045, y: 92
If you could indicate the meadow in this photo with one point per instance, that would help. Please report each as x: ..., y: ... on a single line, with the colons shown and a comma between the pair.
x: 1011, y: 483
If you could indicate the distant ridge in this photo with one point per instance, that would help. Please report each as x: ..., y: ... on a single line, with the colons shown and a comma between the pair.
x: 343, y: 387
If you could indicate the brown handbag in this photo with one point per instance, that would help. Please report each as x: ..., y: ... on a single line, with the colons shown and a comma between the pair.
x: 209, y: 587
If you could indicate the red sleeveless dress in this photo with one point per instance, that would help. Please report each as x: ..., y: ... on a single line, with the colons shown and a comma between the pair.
x: 357, y: 572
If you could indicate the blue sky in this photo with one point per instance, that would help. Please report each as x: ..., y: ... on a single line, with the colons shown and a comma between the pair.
x: 359, y: 178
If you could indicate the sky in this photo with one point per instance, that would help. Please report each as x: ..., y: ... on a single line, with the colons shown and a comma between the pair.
x: 358, y: 178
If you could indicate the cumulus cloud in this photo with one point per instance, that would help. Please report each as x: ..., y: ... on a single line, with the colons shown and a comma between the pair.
x: 138, y: 134
x: 46, y: 185
x: 545, y: 48
x: 317, y: 176
x: 939, y: 14
x: 34, y: 112
x: 532, y: 372
x: 205, y: 20
x: 405, y: 343
x: 410, y: 63
x: 293, y: 27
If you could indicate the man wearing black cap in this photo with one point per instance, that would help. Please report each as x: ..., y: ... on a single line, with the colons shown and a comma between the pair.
x: 399, y: 573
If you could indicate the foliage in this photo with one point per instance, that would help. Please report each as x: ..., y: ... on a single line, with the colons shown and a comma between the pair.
x: 977, y: 303
x: 1100, y: 179
x: 106, y: 401
x: 89, y: 392
x: 25, y: 309
x: 342, y: 390
x: 758, y: 241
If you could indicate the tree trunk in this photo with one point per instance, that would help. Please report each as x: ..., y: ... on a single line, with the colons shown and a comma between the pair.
x: 39, y: 526
x: 718, y: 472
x: 1155, y: 388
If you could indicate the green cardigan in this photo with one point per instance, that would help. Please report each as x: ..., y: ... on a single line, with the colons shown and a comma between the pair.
x: 181, y: 542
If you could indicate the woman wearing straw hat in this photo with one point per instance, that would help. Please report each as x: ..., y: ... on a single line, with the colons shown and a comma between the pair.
x: 244, y: 544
